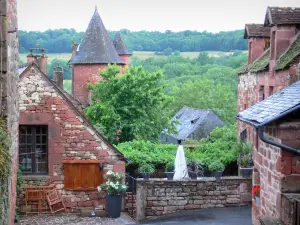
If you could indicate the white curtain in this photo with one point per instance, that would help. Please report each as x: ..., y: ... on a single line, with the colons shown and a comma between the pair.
x: 181, y: 171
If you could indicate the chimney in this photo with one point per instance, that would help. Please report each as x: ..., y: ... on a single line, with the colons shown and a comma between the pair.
x: 258, y: 40
x: 58, y: 76
x: 74, y: 48
x: 39, y: 58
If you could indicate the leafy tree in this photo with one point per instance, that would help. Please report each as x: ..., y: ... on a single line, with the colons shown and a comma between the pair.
x: 167, y: 52
x: 129, y: 107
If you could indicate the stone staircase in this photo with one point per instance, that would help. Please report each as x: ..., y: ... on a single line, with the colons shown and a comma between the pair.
x: 130, y: 206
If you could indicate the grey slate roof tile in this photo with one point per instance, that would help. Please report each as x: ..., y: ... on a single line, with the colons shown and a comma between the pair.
x: 96, y: 45
x: 120, y: 45
x: 185, y: 117
x: 272, y: 106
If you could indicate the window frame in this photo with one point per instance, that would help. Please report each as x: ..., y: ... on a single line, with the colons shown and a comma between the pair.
x: 33, y: 144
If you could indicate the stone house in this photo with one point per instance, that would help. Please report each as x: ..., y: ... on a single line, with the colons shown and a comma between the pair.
x: 95, y: 52
x: 192, y: 124
x: 268, y: 112
x: 57, y: 144
x: 9, y: 112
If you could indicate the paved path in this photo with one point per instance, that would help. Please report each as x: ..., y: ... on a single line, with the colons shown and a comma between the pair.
x: 222, y: 216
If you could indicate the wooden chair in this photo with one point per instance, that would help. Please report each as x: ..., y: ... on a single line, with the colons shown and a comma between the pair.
x: 32, y: 198
x: 54, y: 199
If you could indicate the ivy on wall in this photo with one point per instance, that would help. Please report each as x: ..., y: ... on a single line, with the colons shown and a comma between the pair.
x: 4, y: 170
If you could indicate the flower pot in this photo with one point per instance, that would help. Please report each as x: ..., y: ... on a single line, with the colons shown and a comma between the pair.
x: 113, y: 205
x: 169, y: 175
x: 193, y: 175
x: 218, y: 175
x: 257, y: 201
x: 146, y: 176
x: 246, y: 172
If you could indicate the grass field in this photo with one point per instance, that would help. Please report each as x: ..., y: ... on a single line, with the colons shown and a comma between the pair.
x: 139, y: 55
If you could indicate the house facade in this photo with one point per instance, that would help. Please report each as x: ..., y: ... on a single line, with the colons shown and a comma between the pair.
x: 57, y: 144
x: 268, y: 114
x: 93, y: 54
x: 192, y: 124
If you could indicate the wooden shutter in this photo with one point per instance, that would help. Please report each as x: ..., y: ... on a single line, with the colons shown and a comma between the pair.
x: 82, y: 175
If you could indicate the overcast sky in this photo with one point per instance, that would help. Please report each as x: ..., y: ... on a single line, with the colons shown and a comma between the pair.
x: 161, y: 15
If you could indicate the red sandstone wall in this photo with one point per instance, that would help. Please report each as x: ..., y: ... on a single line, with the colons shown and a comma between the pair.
x: 256, y: 48
x: 69, y: 137
x: 84, y: 74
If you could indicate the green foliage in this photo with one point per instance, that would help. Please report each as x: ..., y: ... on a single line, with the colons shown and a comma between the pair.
x: 170, y: 167
x: 18, y: 191
x: 242, y: 147
x: 68, y: 86
x: 132, y: 106
x: 216, y: 166
x: 60, y: 40
x: 146, y: 168
x: 167, y: 52
x: 4, y: 150
x: 218, y: 146
x: 63, y: 64
x: 204, y: 94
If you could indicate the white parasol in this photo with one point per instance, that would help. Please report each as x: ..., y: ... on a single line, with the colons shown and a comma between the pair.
x: 181, y: 171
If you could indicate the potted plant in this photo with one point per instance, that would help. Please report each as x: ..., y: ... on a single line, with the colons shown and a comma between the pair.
x: 244, y: 152
x: 256, y: 194
x: 146, y: 170
x: 217, y: 168
x: 170, y: 170
x: 113, y: 187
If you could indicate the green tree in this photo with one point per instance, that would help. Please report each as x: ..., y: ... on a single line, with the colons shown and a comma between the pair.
x: 129, y: 107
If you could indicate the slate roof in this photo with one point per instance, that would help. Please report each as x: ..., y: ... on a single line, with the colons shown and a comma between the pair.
x: 96, y: 45
x: 273, y: 106
x: 72, y: 102
x: 282, y: 15
x: 256, y: 30
x: 23, y: 67
x: 289, y: 55
x: 260, y: 64
x: 120, y: 45
x: 189, y: 120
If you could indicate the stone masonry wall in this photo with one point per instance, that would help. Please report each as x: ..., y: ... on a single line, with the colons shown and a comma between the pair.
x: 157, y: 198
x: 84, y: 74
x: 69, y: 138
x: 9, y: 58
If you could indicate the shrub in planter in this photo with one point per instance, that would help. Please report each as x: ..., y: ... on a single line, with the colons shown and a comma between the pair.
x: 113, y: 187
x: 146, y: 170
x: 217, y: 168
x: 170, y: 170
x: 244, y: 152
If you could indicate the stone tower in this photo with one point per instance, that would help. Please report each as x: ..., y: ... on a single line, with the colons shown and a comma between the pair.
x: 93, y: 54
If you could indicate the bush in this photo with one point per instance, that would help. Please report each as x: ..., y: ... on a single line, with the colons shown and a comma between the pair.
x: 146, y: 168
x: 170, y: 167
x: 216, y: 166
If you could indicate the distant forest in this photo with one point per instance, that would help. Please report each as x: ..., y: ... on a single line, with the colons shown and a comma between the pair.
x: 60, y: 40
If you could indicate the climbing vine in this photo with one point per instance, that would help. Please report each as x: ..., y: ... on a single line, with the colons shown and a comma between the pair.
x: 4, y: 169
x: 18, y: 188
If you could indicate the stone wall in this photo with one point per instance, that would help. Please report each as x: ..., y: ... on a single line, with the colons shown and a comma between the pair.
x: 70, y: 137
x: 158, y: 197
x: 9, y: 95
x: 84, y: 74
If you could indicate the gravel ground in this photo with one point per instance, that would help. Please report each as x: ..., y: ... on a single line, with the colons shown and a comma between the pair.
x: 69, y: 219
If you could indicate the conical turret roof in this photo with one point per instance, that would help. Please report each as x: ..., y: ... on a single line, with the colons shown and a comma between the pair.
x: 120, y: 45
x: 96, y: 45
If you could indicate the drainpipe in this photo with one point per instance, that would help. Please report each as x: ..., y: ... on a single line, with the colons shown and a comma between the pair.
x: 271, y: 142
